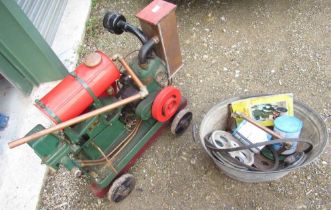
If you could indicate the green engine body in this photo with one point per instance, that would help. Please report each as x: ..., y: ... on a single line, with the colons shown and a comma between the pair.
x: 98, y: 136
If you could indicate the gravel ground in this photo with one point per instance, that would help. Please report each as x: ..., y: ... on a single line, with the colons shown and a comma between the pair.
x: 230, y: 48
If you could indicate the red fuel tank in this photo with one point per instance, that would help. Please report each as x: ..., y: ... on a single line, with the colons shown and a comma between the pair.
x: 76, y: 91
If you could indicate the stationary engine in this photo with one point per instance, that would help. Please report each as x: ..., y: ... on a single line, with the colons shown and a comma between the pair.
x: 106, y: 117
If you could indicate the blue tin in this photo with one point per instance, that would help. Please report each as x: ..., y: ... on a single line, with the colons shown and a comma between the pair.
x: 3, y: 121
x: 288, y: 127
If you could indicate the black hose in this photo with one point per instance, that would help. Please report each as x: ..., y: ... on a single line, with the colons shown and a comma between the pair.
x: 134, y: 30
x: 146, y: 49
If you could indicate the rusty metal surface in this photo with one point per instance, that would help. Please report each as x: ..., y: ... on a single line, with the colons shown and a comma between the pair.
x: 262, y: 163
x: 168, y: 48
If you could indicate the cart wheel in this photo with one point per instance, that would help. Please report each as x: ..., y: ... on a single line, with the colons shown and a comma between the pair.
x: 181, y: 121
x: 121, y: 188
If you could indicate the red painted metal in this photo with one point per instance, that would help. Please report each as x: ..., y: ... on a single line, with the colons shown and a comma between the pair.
x: 99, y: 191
x: 166, y: 103
x: 69, y: 98
x: 156, y: 11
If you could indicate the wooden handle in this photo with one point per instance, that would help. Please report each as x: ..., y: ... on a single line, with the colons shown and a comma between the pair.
x: 271, y: 132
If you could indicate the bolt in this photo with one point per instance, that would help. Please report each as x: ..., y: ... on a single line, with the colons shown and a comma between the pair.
x: 110, y: 90
x: 77, y: 172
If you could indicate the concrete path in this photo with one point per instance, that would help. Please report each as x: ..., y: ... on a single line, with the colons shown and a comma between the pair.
x: 22, y: 174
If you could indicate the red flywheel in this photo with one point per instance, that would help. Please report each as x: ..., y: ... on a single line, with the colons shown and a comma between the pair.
x: 166, y: 103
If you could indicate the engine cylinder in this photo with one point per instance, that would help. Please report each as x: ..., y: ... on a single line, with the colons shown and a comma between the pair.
x: 76, y: 91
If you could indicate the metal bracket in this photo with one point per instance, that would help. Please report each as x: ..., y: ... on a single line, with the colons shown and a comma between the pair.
x: 97, y: 102
x: 48, y: 110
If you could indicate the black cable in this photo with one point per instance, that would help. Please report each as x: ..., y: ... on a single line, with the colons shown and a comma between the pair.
x: 225, y: 151
x: 275, y: 141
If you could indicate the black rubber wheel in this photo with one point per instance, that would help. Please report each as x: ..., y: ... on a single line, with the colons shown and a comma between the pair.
x: 181, y: 122
x: 121, y: 188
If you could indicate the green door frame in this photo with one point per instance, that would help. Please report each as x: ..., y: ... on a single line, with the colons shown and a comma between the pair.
x: 26, y: 60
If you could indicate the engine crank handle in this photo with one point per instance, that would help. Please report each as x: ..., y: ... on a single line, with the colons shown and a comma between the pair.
x: 142, y: 94
x: 73, y: 121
